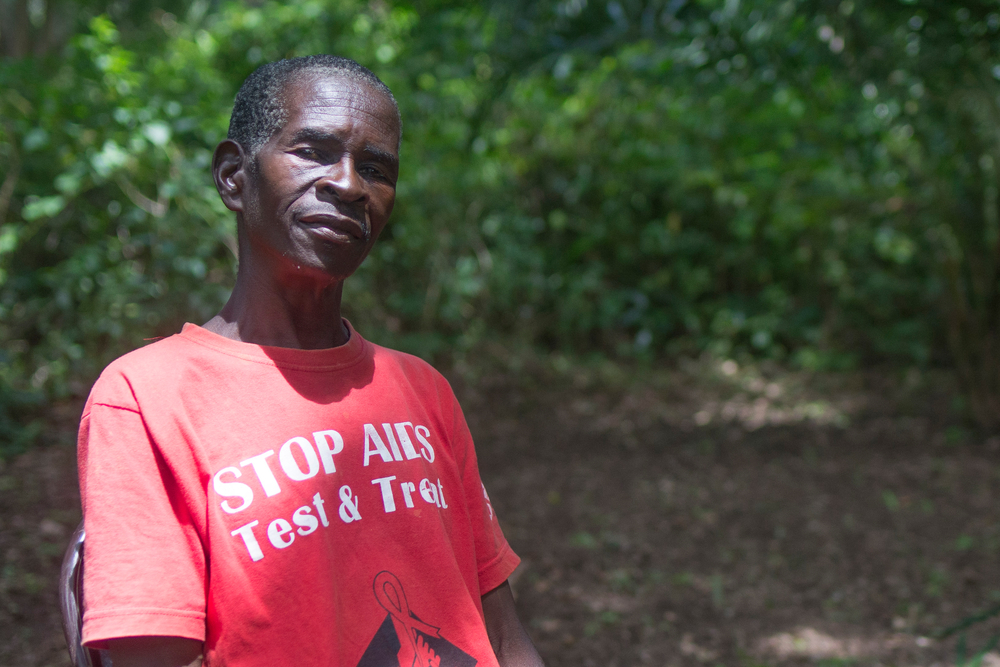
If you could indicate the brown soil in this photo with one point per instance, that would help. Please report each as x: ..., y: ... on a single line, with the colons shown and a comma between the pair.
x: 703, y: 515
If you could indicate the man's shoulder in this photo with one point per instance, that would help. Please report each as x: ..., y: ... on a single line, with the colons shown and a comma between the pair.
x: 408, y: 363
x: 412, y: 367
x: 159, y: 355
x: 153, y: 365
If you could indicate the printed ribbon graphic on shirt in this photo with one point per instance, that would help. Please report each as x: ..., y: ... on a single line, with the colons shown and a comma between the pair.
x: 389, y: 593
x: 403, y: 639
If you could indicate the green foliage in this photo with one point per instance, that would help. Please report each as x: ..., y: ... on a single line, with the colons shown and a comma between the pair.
x: 117, y: 238
x: 806, y: 180
x: 930, y: 71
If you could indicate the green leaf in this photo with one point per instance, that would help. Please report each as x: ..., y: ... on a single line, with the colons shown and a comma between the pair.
x: 43, y: 207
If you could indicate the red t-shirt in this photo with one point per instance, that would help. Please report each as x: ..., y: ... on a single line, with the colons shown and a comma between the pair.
x: 299, y: 507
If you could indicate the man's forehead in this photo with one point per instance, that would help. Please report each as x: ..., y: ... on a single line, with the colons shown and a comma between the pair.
x: 314, y: 93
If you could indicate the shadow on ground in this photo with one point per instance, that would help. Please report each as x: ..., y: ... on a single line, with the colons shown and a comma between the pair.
x: 703, y: 516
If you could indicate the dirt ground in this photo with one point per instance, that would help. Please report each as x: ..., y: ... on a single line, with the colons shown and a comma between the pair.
x: 703, y: 515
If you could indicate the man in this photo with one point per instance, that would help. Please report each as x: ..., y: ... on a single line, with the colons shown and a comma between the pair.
x: 270, y: 488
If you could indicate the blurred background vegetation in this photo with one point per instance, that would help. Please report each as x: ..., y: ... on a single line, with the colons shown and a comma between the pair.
x: 810, y: 181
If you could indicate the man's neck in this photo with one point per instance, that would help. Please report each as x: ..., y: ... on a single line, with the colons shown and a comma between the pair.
x: 300, y: 315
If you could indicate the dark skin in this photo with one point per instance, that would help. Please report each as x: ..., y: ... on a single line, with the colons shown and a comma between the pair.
x: 309, y: 211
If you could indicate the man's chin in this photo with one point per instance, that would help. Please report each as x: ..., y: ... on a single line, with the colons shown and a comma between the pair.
x: 309, y: 273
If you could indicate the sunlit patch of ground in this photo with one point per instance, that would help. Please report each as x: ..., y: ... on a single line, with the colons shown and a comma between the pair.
x: 751, y: 400
x: 814, y: 644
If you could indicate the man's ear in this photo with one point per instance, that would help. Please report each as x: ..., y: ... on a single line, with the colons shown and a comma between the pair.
x: 229, y: 169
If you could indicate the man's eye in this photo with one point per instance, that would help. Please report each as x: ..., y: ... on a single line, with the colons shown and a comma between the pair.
x: 369, y: 170
x: 307, y: 153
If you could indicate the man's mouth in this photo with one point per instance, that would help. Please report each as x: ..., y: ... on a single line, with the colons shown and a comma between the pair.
x: 335, y: 227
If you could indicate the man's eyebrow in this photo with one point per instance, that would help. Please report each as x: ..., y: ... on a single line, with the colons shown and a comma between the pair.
x: 313, y: 135
x: 382, y: 155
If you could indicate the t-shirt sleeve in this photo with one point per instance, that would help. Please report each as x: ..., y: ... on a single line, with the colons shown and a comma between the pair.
x: 144, y: 563
x: 495, y: 560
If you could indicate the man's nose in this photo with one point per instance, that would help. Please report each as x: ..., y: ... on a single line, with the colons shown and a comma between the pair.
x: 342, y: 181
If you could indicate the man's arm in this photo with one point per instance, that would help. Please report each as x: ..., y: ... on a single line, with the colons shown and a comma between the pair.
x: 511, y: 643
x: 155, y: 652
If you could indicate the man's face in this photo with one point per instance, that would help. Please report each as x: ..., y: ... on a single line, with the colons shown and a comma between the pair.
x: 324, y: 185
